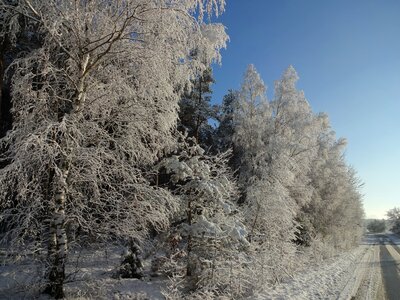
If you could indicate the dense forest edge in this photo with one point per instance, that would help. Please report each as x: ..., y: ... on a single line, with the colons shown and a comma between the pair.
x: 106, y: 143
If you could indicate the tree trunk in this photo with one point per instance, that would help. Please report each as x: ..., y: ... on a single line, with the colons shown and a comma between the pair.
x: 254, y: 222
x: 5, y: 97
x: 189, y: 242
x: 3, y: 48
x: 57, y: 242
x: 1, y: 86
x: 198, y: 119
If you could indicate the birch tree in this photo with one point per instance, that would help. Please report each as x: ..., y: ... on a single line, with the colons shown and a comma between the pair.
x: 297, y: 137
x: 295, y: 134
x: 335, y: 210
x: 93, y: 106
x: 267, y: 210
x: 251, y: 117
x: 278, y: 140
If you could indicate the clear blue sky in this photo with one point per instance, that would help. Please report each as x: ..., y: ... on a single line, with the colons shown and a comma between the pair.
x: 347, y: 54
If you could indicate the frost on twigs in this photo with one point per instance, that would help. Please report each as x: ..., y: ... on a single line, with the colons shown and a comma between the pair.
x: 211, y: 234
x: 94, y: 105
x: 276, y: 142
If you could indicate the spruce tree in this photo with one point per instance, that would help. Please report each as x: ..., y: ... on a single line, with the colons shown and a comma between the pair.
x: 196, y: 110
x: 224, y: 133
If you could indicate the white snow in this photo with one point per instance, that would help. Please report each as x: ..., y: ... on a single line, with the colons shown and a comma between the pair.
x: 93, y: 280
x: 342, y: 277
x: 352, y: 274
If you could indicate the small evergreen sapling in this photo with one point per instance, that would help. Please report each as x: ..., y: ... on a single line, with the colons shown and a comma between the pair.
x: 212, y: 228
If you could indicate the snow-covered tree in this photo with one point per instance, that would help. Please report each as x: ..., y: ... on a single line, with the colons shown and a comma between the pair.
x: 211, y: 226
x: 295, y: 135
x: 376, y: 226
x: 300, y: 138
x: 93, y: 105
x: 251, y: 118
x: 335, y: 210
x: 394, y: 219
x: 278, y: 142
x: 269, y: 210
x: 293, y: 144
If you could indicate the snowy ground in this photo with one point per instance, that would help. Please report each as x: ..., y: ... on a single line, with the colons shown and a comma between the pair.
x: 93, y: 280
x: 352, y: 275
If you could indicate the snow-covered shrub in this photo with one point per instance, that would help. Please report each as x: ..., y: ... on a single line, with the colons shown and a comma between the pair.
x: 131, y: 265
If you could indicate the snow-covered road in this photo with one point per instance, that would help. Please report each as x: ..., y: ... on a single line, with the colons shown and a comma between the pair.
x: 368, y: 272
x: 390, y: 263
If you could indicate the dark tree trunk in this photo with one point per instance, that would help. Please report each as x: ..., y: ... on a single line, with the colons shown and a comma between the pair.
x: 3, y: 100
x: 1, y: 83
x: 198, y: 119
x: 5, y: 97
x: 56, y: 267
x: 189, y: 242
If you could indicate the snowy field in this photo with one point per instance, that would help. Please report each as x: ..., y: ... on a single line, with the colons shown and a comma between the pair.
x: 352, y: 275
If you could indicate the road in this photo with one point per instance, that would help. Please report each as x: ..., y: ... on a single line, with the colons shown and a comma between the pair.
x: 381, y: 276
x: 390, y: 264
